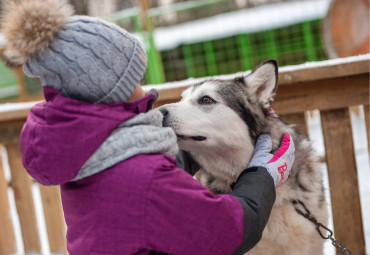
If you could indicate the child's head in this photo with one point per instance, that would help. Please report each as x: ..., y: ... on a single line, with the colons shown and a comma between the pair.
x: 84, y: 58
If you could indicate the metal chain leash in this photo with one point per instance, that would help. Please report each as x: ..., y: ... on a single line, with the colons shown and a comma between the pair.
x: 318, y: 225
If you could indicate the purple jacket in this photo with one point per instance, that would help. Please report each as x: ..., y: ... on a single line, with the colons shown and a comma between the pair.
x: 145, y: 203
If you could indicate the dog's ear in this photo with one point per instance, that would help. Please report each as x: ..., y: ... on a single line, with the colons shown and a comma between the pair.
x: 262, y: 82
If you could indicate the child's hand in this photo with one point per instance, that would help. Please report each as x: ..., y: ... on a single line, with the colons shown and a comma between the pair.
x: 279, y: 164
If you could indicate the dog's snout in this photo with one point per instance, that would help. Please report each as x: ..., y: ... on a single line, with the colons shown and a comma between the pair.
x: 164, y: 111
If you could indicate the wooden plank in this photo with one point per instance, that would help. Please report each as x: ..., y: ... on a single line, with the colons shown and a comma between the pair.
x: 342, y: 172
x: 322, y: 94
x: 367, y: 120
x: 29, y: 98
x: 14, y: 115
x: 322, y: 70
x: 10, y: 130
x: 301, y: 76
x: 163, y: 102
x: 299, y: 97
x: 54, y: 218
x: 304, y: 79
x: 7, y: 237
x: 355, y: 109
x: 168, y: 96
x: 298, y: 119
x: 22, y: 186
x: 144, y: 7
x: 21, y: 83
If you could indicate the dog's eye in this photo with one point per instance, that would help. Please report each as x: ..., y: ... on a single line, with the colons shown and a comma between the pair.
x: 206, y: 100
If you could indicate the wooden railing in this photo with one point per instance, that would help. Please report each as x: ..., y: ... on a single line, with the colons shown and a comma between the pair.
x: 329, y: 86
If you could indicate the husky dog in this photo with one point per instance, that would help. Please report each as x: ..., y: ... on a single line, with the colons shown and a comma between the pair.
x: 218, y: 123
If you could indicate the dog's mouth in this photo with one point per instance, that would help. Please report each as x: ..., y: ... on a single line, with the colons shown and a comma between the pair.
x: 195, y: 138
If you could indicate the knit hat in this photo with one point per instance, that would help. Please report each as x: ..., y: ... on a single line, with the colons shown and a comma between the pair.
x: 84, y: 58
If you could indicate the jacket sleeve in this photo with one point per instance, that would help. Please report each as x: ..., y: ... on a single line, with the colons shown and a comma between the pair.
x: 185, y: 161
x: 255, y: 190
x: 183, y: 217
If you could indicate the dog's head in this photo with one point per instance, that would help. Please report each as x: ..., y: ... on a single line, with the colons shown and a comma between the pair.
x: 219, y: 117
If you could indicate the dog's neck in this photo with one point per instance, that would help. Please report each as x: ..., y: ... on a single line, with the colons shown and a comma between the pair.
x: 223, y: 163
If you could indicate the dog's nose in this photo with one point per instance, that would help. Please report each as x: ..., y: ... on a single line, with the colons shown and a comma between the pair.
x: 163, y: 111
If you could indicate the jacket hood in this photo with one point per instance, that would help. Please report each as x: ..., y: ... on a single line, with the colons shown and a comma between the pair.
x: 61, y: 133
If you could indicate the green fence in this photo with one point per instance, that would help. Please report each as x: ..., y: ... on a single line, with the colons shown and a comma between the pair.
x: 8, y: 82
x: 7, y: 78
x: 288, y: 45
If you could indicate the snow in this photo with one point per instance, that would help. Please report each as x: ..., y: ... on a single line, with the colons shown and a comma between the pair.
x: 239, y: 22
x: 9, y: 91
x: 330, y: 62
x: 10, y: 107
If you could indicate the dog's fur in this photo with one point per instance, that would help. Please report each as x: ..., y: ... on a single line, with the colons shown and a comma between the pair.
x: 218, y: 122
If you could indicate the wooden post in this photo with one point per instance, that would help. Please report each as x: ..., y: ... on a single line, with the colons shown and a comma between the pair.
x: 155, y: 71
x: 22, y: 185
x: 54, y: 218
x: 144, y: 7
x: 21, y: 83
x: 343, y: 179
x: 367, y: 120
x: 101, y: 8
x: 299, y: 119
x: 10, y: 128
x: 7, y: 237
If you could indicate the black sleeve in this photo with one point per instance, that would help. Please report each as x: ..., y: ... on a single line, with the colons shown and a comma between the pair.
x: 186, y: 162
x: 255, y: 190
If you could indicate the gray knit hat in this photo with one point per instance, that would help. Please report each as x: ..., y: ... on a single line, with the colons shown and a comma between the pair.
x: 84, y: 58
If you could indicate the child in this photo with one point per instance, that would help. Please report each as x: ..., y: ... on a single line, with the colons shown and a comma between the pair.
x: 97, y: 138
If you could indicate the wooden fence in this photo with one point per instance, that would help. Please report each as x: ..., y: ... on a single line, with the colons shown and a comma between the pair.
x: 329, y: 86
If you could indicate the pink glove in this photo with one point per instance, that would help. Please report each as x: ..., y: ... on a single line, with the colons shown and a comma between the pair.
x: 279, y: 164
